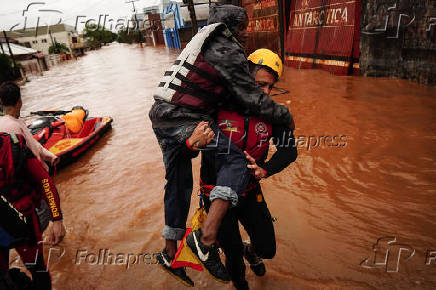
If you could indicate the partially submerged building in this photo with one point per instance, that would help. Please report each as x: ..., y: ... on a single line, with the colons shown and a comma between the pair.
x: 178, y: 23
x: 31, y: 61
x: 42, y: 37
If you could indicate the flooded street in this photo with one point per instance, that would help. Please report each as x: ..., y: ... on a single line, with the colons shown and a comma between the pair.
x: 331, y: 205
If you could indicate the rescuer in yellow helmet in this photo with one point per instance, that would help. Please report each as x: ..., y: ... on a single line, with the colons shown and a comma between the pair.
x: 267, y: 67
x: 252, y: 135
x: 266, y: 57
x: 211, y: 72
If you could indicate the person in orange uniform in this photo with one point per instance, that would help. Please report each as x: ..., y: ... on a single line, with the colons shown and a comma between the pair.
x: 24, y: 183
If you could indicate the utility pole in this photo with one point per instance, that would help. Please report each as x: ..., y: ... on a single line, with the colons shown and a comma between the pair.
x: 136, y: 19
x: 191, y: 9
x: 1, y: 45
x: 10, y: 50
x: 52, y: 42
x: 51, y: 37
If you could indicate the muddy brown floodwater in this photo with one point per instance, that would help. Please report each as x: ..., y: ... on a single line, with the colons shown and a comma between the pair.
x: 331, y: 206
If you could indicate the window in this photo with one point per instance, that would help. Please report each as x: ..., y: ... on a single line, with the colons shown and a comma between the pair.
x: 34, y: 41
x: 44, y: 40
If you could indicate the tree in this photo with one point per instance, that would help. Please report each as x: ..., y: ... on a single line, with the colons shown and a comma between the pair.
x: 58, y: 48
x: 7, y: 72
x: 96, y: 35
x: 129, y: 36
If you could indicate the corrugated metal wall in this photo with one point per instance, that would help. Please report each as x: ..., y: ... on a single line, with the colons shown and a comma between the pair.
x: 264, y: 25
x: 323, y: 34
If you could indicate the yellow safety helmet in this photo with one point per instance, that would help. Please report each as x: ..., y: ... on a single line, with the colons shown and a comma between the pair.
x: 267, y: 58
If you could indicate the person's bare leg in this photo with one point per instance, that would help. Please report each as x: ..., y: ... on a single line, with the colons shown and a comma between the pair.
x: 217, y: 211
x: 171, y: 247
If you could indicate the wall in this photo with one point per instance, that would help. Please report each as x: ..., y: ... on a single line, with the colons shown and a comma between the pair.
x: 323, y: 34
x: 61, y: 37
x: 398, y: 39
x: 264, y: 25
x: 201, y: 13
x: 156, y: 28
x: 31, y: 66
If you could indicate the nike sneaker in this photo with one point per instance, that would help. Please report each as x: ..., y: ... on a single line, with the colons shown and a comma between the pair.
x: 164, y: 261
x: 256, y: 263
x: 208, y: 256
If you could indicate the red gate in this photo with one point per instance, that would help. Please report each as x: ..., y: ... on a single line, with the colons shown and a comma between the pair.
x: 324, y: 34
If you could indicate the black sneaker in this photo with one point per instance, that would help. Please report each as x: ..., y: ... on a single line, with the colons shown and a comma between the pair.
x: 208, y: 256
x: 241, y: 285
x: 164, y: 261
x: 256, y: 263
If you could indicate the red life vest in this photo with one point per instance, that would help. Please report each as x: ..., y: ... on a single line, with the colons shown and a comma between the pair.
x: 191, y: 81
x: 250, y: 134
x: 13, y: 185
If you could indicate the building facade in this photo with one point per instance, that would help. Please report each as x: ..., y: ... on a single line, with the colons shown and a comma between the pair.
x: 41, y: 38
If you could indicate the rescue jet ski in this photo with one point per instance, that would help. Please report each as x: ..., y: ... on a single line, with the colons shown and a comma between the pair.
x: 68, y: 134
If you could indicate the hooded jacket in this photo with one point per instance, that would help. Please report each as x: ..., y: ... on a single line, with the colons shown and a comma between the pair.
x: 186, y: 95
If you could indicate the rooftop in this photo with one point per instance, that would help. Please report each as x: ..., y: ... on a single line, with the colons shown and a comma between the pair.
x: 42, y: 30
x: 17, y: 49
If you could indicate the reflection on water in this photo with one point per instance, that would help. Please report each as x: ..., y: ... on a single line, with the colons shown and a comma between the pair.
x: 331, y: 205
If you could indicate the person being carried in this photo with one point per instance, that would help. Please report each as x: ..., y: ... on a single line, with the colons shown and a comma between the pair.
x: 10, y: 97
x: 252, y: 135
x: 24, y: 183
x: 211, y: 71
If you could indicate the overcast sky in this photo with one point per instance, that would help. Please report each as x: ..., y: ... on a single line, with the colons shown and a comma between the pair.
x: 52, y: 11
